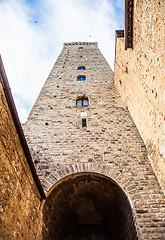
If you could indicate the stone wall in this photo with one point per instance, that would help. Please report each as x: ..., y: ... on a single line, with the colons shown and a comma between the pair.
x: 19, y: 199
x: 87, y: 206
x: 139, y: 78
x: 54, y: 127
x: 60, y: 146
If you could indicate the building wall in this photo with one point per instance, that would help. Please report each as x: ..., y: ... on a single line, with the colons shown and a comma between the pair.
x: 81, y: 201
x: 60, y: 146
x: 54, y: 127
x: 19, y: 199
x: 139, y: 78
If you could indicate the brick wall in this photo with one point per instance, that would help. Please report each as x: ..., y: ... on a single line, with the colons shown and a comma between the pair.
x: 60, y: 146
x: 139, y: 79
x: 79, y: 204
x: 19, y: 199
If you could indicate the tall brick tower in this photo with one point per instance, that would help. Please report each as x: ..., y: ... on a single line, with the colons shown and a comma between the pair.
x: 76, y: 90
x: 89, y: 156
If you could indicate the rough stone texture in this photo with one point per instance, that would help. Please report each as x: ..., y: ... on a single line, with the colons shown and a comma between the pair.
x: 19, y: 199
x: 139, y: 78
x: 110, y: 143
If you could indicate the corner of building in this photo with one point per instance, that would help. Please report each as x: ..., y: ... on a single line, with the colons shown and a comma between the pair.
x: 139, y: 78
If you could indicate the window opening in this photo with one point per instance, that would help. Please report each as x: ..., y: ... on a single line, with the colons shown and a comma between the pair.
x: 79, y: 102
x: 83, y: 101
x: 81, y: 68
x: 84, y: 122
x: 81, y: 78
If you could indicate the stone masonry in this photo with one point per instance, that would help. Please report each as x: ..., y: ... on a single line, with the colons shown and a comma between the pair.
x: 20, y: 200
x: 140, y: 79
x: 110, y: 141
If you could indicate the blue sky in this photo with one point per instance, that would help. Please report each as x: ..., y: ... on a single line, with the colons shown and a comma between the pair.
x: 32, y: 33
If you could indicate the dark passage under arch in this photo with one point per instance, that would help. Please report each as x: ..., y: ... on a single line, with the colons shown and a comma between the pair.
x: 87, y: 206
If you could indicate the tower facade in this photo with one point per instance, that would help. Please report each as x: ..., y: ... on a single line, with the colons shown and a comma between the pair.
x: 89, y: 156
x: 77, y: 90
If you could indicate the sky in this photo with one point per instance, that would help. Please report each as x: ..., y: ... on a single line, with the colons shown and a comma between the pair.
x: 32, y: 33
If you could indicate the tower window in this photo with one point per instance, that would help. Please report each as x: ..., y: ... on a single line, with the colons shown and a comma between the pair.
x: 81, y: 68
x: 82, y: 101
x: 84, y: 122
x: 81, y: 78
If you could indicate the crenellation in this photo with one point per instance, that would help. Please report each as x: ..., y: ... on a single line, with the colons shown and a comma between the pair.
x: 79, y: 43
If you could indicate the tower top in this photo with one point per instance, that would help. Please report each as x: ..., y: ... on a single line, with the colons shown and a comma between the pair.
x: 80, y: 43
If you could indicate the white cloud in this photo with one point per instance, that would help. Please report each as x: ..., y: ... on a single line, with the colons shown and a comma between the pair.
x: 29, y: 48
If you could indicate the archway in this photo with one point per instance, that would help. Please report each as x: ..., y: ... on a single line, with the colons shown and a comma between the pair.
x: 87, y: 206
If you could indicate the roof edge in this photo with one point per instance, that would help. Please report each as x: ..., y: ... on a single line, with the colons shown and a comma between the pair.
x: 80, y: 43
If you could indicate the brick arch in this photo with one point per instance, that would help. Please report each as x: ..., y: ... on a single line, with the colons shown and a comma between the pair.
x: 126, y: 185
x: 129, y: 188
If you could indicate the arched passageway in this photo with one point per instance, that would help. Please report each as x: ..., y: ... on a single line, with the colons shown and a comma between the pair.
x: 87, y: 206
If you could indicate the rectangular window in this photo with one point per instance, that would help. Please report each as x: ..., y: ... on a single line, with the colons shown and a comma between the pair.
x: 84, y: 122
x: 81, y: 68
x: 81, y: 78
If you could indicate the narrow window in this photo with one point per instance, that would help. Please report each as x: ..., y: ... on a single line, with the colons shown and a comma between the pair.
x: 81, y: 68
x: 79, y: 102
x: 85, y: 102
x: 81, y: 78
x: 84, y: 122
x: 82, y: 101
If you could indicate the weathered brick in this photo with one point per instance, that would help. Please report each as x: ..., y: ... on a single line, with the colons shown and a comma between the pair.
x: 110, y: 144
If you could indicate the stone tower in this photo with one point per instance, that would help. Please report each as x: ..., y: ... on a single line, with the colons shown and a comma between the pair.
x: 89, y: 156
x: 54, y: 126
